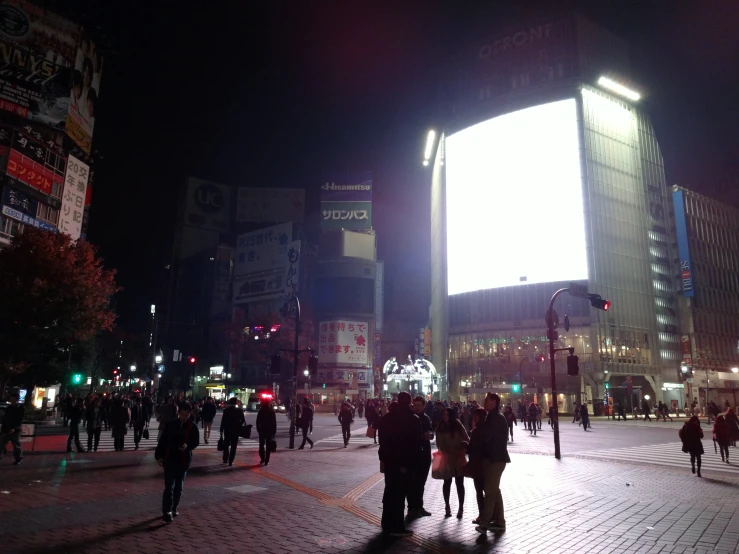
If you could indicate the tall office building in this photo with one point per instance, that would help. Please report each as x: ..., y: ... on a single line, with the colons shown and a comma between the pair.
x: 547, y: 171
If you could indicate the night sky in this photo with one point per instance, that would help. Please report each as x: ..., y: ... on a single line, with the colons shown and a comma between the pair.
x: 285, y: 94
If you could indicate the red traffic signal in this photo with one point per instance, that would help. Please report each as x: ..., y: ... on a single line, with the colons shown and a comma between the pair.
x: 115, y: 372
x: 539, y: 358
x: 191, y: 359
x: 598, y: 302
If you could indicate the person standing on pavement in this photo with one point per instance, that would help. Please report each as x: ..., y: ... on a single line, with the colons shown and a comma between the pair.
x: 10, y: 429
x: 208, y: 415
x: 306, y: 421
x: 345, y: 418
x: 174, y: 454
x: 510, y: 418
x: 400, y: 453
x: 119, y: 418
x: 94, y: 424
x: 585, y: 416
x: 139, y: 416
x: 231, y: 422
x: 691, y: 435
x: 420, y: 475
x: 494, y: 462
x: 76, y: 414
x: 452, y: 440
x: 267, y: 429
x: 476, y: 451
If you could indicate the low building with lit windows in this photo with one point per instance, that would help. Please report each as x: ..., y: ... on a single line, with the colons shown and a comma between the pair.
x: 547, y: 172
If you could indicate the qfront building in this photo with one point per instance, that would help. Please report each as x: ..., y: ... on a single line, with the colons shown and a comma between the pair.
x: 546, y: 172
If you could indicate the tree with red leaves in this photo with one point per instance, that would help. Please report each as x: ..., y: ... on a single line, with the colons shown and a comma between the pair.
x: 54, y: 294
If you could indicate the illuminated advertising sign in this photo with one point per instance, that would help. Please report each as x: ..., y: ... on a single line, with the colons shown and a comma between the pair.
x: 22, y: 208
x: 515, y: 179
x: 683, y: 248
x: 73, y: 200
x: 262, y: 250
x: 88, y: 68
x: 343, y: 342
x: 346, y: 203
x: 37, y: 160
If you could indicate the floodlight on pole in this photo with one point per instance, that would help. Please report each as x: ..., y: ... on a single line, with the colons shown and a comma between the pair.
x: 619, y: 89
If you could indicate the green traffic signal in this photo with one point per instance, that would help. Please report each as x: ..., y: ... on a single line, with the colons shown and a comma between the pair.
x: 608, y: 386
x: 76, y: 378
x: 516, y: 388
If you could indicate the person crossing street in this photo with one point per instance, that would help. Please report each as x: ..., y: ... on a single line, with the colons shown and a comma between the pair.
x: 267, y: 429
x: 306, y: 422
x: 207, y: 415
x: 139, y: 419
x: 345, y: 418
x: 94, y: 422
x: 76, y: 414
x: 231, y: 422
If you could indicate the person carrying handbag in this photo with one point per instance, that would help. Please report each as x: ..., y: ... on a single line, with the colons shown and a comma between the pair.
x: 231, y: 422
x: 452, y: 441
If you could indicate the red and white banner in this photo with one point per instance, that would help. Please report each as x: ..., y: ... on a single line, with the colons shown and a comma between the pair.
x: 343, y: 342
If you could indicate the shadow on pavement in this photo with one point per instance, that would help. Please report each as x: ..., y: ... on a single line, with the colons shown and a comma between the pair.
x: 145, y: 525
x: 380, y: 543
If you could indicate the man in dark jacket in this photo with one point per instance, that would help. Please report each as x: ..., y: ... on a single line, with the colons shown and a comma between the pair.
x: 174, y: 454
x: 306, y: 422
x: 75, y: 417
x: 401, y: 451
x: 139, y: 419
x: 208, y: 414
x: 267, y: 429
x: 494, y: 462
x: 585, y: 417
x: 345, y: 418
x: 67, y: 408
x: 10, y: 430
x: 231, y: 422
x: 420, y: 475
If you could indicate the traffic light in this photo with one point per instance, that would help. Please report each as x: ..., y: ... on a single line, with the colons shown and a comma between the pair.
x: 608, y: 386
x: 539, y: 358
x: 573, y: 368
x: 324, y: 385
x: 516, y: 387
x: 115, y: 372
x: 192, y: 359
x: 600, y: 303
x: 313, y: 365
x: 76, y: 379
x: 275, y: 364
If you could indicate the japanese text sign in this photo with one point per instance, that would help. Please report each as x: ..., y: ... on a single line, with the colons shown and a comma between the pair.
x: 73, y: 198
x: 343, y: 342
x: 346, y: 215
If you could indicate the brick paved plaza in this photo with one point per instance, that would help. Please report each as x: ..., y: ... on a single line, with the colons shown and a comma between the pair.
x: 329, y: 500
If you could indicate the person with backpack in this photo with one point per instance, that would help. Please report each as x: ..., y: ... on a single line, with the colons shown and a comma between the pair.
x: 306, y: 421
x: 691, y: 435
x: 174, y: 453
x: 267, y: 429
x: 231, y: 422
x: 345, y: 418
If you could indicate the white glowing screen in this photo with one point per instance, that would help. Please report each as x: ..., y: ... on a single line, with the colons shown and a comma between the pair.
x: 514, y: 200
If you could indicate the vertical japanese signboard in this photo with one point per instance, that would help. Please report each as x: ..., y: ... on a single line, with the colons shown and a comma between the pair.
x: 346, y: 203
x: 683, y: 247
x: 343, y: 342
x: 73, y: 199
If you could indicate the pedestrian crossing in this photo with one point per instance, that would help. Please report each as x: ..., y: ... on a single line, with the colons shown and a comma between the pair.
x: 107, y: 441
x: 668, y: 454
x: 358, y: 438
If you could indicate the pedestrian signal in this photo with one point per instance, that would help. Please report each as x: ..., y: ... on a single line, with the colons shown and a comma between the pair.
x: 516, y: 388
x: 573, y: 367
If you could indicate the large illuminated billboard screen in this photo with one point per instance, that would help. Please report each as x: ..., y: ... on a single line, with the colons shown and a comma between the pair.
x: 514, y: 206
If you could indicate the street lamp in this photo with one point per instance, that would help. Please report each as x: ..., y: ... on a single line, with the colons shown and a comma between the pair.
x: 133, y: 368
x: 158, y: 359
x: 646, y: 397
x: 735, y: 369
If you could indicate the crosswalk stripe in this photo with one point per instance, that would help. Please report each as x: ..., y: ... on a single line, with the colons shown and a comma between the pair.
x: 107, y: 443
x: 666, y: 454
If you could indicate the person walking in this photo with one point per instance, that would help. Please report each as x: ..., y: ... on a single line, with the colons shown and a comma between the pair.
x: 174, y: 453
x: 345, y: 418
x: 139, y: 415
x: 306, y: 420
x: 452, y: 441
x: 420, y: 475
x: 476, y: 451
x: 119, y: 418
x: 266, y: 428
x: 646, y: 409
x: 105, y: 405
x: 576, y: 415
x: 532, y: 413
x: 67, y: 408
x: 167, y: 412
x: 621, y: 412
x: 691, y: 435
x: 510, y: 418
x: 94, y: 424
x: 522, y: 413
x: 494, y: 463
x: 231, y: 422
x: 666, y: 412
x: 538, y: 415
x: 585, y: 416
x: 373, y: 419
x: 733, y: 423
x: 360, y: 409
x: 10, y: 429
x: 76, y: 414
x: 400, y: 453
x: 208, y: 414
x: 722, y: 436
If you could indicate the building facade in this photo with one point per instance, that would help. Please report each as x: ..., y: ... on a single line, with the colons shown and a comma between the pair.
x: 707, y: 233
x: 546, y: 174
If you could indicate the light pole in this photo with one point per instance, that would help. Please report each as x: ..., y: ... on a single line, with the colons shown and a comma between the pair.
x: 552, y: 320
